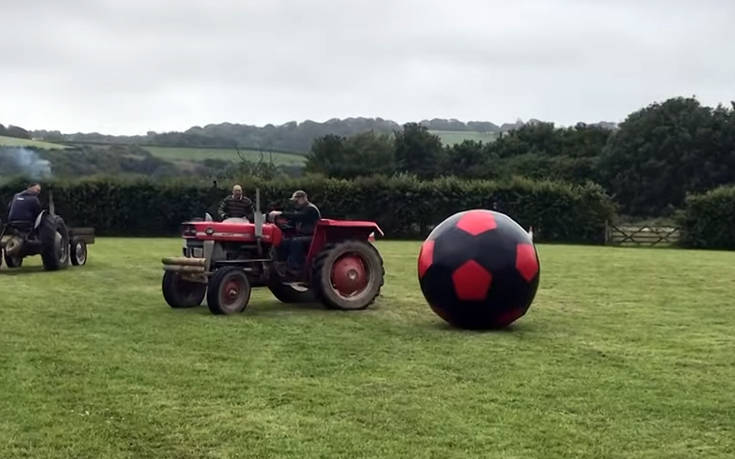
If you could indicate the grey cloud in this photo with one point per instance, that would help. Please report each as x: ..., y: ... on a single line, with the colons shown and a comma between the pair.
x: 126, y: 67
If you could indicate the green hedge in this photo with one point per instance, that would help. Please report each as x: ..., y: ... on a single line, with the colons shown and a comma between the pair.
x: 708, y: 220
x: 403, y: 206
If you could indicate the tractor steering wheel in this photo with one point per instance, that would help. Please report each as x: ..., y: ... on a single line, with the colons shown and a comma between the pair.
x: 283, y: 223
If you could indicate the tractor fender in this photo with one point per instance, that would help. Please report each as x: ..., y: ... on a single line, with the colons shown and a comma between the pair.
x: 39, y: 219
x: 331, y: 231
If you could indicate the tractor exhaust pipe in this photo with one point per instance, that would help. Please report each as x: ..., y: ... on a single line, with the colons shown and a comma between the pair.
x: 51, y: 206
x: 258, y: 217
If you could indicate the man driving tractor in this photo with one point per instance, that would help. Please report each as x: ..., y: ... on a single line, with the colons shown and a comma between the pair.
x: 236, y: 205
x: 304, y: 220
x: 25, y: 206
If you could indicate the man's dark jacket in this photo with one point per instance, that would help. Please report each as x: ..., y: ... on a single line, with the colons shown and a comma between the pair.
x: 304, y: 219
x: 24, y: 207
x: 236, y: 208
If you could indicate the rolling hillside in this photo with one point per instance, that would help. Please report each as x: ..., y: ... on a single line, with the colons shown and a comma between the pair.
x: 225, y: 154
x: 16, y: 142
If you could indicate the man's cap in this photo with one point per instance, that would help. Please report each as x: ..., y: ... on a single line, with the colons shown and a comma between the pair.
x: 237, y: 188
x: 298, y: 194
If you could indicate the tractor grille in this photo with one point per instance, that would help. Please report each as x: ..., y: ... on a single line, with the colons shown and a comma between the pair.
x: 194, y: 249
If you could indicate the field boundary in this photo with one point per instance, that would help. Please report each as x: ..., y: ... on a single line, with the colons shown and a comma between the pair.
x: 640, y: 235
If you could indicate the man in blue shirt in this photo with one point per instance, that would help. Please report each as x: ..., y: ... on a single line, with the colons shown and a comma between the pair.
x: 25, y: 205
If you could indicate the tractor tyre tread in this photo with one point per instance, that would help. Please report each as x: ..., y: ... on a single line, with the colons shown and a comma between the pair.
x: 319, y: 272
x: 171, y: 287
x: 50, y: 225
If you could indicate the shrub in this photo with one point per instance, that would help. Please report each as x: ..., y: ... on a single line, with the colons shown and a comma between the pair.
x: 708, y: 220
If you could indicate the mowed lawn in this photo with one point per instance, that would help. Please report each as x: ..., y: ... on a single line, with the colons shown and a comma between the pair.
x: 226, y: 154
x: 625, y: 353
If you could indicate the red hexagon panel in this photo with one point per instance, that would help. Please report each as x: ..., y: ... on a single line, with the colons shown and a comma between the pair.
x: 426, y: 257
x: 471, y: 281
x: 477, y: 222
x: 509, y: 316
x: 526, y: 261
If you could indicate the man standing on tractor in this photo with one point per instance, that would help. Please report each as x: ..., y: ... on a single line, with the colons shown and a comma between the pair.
x: 304, y: 220
x: 25, y: 205
x: 236, y: 205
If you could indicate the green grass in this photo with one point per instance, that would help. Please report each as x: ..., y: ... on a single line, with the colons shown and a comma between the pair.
x: 453, y: 137
x: 625, y: 353
x: 15, y: 142
x: 228, y: 154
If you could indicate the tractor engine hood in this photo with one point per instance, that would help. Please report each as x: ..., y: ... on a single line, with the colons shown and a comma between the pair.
x: 230, y: 232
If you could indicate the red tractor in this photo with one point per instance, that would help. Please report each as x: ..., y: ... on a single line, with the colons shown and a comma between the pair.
x: 223, y: 260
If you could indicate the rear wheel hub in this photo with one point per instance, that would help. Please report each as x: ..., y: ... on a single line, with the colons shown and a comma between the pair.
x: 349, y: 275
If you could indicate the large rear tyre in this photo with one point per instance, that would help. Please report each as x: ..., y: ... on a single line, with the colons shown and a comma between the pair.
x: 348, y: 275
x: 228, y: 291
x: 290, y: 292
x: 13, y: 261
x: 54, y: 243
x: 78, y: 253
x: 180, y: 293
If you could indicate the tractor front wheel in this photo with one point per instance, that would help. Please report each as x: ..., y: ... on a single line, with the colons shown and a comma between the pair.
x: 13, y: 261
x: 180, y: 293
x: 348, y: 275
x: 78, y: 253
x: 228, y: 291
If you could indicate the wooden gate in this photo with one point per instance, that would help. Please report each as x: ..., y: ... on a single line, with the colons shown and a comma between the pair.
x: 640, y: 235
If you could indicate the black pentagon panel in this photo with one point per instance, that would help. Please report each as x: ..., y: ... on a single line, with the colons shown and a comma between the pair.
x: 453, y: 247
x: 450, y: 222
x: 438, y: 288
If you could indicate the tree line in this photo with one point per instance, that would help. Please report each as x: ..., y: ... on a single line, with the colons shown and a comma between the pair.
x: 648, y: 164
x: 291, y: 137
x: 14, y: 131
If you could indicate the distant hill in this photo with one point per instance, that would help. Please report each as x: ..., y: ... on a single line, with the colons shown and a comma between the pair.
x: 291, y: 137
x: 438, y: 124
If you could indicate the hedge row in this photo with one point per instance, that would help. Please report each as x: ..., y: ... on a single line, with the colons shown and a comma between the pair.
x: 708, y: 220
x: 403, y: 206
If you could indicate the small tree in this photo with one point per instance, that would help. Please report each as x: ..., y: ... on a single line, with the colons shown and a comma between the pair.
x: 326, y: 156
x: 664, y: 151
x: 418, y: 151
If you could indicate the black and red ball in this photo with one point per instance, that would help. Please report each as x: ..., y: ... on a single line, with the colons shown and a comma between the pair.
x: 479, y: 269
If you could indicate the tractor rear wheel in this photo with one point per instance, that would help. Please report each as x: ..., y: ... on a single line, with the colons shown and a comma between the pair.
x: 180, y: 293
x: 348, y: 275
x: 228, y: 291
x: 54, y: 243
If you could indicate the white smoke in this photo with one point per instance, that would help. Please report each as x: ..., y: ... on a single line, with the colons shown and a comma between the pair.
x: 19, y: 160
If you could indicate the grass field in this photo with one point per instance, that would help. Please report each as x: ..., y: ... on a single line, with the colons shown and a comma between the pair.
x: 228, y: 154
x: 15, y: 142
x: 453, y: 137
x: 625, y: 353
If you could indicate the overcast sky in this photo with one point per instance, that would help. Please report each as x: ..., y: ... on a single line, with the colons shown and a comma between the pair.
x: 125, y: 67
